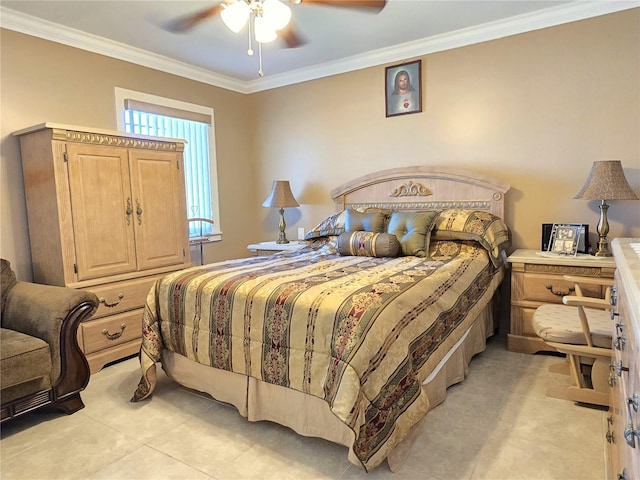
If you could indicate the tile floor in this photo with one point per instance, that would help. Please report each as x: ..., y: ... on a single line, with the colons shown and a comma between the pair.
x: 497, y: 424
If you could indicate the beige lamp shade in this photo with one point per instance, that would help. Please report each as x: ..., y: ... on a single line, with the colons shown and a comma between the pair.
x: 606, y: 181
x: 280, y: 196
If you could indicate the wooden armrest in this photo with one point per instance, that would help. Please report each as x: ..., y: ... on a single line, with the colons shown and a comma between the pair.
x: 586, y: 302
x: 605, y: 282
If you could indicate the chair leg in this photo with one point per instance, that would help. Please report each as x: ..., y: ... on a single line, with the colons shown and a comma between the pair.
x: 598, y: 392
x: 70, y: 404
x: 586, y: 395
x: 576, y: 375
x: 600, y: 375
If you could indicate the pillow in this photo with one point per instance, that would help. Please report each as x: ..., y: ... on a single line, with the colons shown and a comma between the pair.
x: 368, y: 244
x: 332, y: 225
x: 413, y: 231
x: 7, y: 280
x: 444, y: 248
x: 355, y: 221
x: 483, y: 227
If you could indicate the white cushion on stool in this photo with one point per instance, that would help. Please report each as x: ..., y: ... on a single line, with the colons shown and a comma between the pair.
x: 561, y: 324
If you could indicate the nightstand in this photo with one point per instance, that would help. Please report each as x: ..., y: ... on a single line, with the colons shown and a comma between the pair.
x: 536, y: 279
x: 269, y: 248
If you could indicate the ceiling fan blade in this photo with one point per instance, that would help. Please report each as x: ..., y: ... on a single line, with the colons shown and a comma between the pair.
x: 370, y: 4
x: 185, y: 23
x: 291, y: 36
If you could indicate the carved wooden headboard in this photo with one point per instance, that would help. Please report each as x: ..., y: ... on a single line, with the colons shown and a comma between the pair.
x: 423, y: 188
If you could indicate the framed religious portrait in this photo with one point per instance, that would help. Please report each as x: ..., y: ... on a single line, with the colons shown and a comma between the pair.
x: 403, y: 88
x: 565, y: 239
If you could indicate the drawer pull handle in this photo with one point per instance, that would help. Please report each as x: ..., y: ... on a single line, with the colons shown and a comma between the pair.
x: 620, y: 342
x: 129, y: 211
x: 614, y: 296
x: 617, y: 368
x: 112, y: 304
x: 569, y: 291
x: 631, y: 433
x: 139, y: 211
x: 609, y: 435
x: 114, y: 336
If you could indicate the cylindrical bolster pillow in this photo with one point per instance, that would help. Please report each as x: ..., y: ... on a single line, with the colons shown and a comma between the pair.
x: 368, y: 244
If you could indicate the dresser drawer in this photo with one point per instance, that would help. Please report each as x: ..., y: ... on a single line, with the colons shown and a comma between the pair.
x: 550, y: 288
x: 111, y: 331
x: 119, y: 297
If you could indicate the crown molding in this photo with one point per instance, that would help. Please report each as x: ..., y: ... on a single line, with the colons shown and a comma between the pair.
x: 550, y: 17
x: 55, y: 32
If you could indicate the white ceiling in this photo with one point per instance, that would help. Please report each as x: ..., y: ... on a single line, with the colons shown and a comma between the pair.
x: 339, y: 39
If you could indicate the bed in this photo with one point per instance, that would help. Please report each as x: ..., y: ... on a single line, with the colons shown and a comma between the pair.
x: 356, y: 336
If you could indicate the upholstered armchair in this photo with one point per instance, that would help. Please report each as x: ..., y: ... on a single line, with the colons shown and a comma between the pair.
x: 40, y: 360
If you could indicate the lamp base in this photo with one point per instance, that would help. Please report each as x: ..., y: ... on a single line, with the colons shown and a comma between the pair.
x: 603, y: 229
x: 282, y: 238
x: 603, y: 248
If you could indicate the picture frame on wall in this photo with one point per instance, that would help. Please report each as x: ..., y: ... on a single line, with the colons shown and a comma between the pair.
x: 565, y: 239
x: 403, y: 88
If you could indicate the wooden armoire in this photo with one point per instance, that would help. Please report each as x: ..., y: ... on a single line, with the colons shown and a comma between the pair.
x: 107, y: 213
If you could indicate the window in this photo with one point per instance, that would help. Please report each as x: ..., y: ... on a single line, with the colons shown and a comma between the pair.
x: 145, y: 114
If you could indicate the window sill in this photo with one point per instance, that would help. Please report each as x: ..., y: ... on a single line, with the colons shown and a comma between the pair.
x: 214, y: 237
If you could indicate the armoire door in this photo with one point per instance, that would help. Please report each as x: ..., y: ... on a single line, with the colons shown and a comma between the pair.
x: 102, y: 210
x: 159, y: 204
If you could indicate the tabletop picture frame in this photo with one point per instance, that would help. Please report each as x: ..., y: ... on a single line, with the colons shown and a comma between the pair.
x: 565, y: 239
x: 403, y: 88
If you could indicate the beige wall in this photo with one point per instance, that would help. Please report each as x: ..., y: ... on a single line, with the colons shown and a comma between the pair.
x: 43, y: 81
x: 534, y: 110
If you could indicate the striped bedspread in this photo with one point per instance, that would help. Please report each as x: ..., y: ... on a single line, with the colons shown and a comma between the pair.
x: 360, y: 333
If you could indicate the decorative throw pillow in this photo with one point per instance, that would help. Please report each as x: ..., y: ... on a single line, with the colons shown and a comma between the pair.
x: 368, y: 244
x: 412, y: 230
x: 355, y: 221
x: 483, y: 227
x: 332, y: 225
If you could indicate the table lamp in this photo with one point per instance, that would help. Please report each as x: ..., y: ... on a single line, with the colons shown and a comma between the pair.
x: 606, y: 181
x: 281, y: 197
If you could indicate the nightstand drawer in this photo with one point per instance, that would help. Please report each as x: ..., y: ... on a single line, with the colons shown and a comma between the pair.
x: 111, y: 331
x: 550, y: 288
x: 119, y: 297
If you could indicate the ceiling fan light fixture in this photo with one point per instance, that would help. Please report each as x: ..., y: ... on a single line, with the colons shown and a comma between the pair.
x: 276, y: 13
x: 263, y: 30
x: 235, y: 15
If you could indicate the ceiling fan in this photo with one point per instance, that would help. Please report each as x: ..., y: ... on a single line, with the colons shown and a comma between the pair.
x: 266, y: 19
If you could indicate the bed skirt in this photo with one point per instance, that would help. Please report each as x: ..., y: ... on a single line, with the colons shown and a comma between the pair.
x: 257, y: 400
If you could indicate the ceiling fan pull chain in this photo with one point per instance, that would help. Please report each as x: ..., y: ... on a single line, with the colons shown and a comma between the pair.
x: 250, y: 50
x: 260, y: 72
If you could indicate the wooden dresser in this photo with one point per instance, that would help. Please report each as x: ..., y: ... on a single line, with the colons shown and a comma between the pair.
x: 106, y: 213
x: 536, y: 279
x: 623, y: 422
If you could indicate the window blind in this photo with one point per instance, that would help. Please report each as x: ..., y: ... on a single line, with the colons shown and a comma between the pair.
x: 196, y: 154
